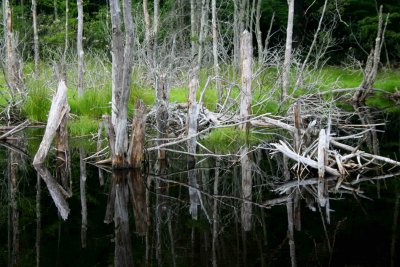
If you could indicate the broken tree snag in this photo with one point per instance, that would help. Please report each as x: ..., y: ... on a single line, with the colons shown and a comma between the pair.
x: 371, y: 67
x: 321, y: 168
x: 13, y: 72
x: 245, y: 93
x: 138, y: 135
x: 58, y: 110
x: 162, y: 98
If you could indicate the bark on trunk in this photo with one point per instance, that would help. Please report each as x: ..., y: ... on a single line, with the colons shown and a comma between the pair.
x: 138, y: 136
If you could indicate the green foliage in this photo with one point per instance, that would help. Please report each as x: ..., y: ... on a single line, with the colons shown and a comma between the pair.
x: 83, y: 125
x: 228, y: 140
x: 38, y: 102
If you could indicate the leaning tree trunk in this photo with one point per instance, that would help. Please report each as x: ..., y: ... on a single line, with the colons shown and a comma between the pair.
x: 35, y: 37
x: 79, y: 47
x: 288, y: 52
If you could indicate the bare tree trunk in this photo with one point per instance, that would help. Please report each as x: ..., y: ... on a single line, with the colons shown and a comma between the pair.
x: 288, y: 52
x: 193, y: 27
x: 64, y: 58
x: 236, y: 34
x: 245, y: 111
x: 260, y: 48
x: 146, y: 22
x: 13, y: 187
x: 121, y: 79
x: 290, y: 232
x: 79, y: 48
x: 13, y: 75
x: 35, y: 37
x: 55, y: 10
x: 215, y: 50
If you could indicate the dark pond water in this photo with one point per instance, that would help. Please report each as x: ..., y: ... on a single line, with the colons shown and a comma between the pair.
x: 143, y: 219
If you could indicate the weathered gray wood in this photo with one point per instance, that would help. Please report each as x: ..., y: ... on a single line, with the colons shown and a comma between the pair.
x: 246, y: 49
x: 162, y: 103
x: 121, y: 89
x: 247, y: 189
x: 288, y: 51
x: 35, y: 37
x: 59, y: 108
x: 309, y: 162
x: 321, y: 168
x: 215, y: 50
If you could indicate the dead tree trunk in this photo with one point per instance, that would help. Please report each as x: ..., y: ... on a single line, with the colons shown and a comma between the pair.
x: 260, y: 48
x: 35, y: 37
x: 236, y: 34
x: 162, y: 99
x: 121, y: 79
x: 215, y: 50
x: 64, y: 57
x: 79, y: 48
x: 138, y: 136
x: 288, y: 52
x: 13, y: 72
x: 63, y: 162
x: 245, y: 111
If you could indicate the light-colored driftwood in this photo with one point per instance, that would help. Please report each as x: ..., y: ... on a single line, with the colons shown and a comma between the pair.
x: 283, y: 148
x: 58, y: 112
x: 321, y: 168
x: 59, y: 108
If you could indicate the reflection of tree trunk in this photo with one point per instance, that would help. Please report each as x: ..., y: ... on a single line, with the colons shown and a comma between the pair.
x: 393, y: 246
x: 62, y: 157
x: 138, y: 198
x: 171, y: 237
x: 83, y: 196
x: 38, y: 220
x: 13, y: 168
x: 123, y: 245
x: 290, y: 232
x: 215, y: 215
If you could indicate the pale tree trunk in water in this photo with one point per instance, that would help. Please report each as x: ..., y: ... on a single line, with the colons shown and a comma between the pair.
x: 35, y: 37
x: 288, y: 52
x: 193, y: 113
x: 121, y: 79
x: 79, y: 48
x: 245, y: 112
x: 215, y: 50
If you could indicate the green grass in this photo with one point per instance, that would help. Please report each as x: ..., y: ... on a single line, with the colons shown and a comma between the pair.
x: 228, y: 139
x: 83, y: 125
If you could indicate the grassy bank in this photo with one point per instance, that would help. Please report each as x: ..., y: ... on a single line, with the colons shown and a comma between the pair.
x: 86, y: 112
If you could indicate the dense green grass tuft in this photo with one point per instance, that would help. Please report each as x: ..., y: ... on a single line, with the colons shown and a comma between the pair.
x: 38, y: 102
x: 83, y: 125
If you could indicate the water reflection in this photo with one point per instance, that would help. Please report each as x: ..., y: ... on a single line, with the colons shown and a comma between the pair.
x: 148, y: 223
